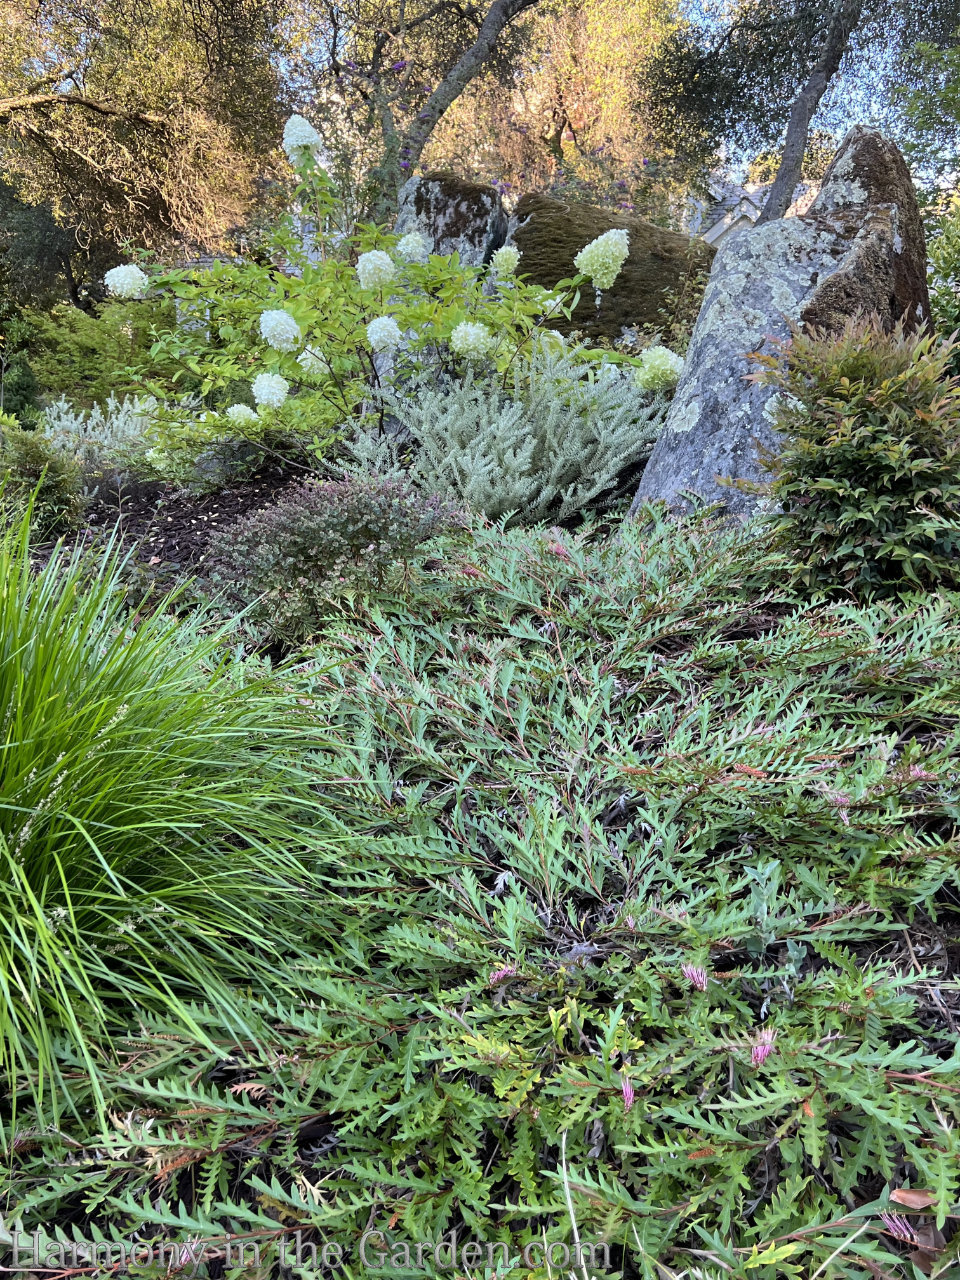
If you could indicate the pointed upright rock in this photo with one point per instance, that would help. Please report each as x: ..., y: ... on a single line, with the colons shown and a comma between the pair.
x: 858, y: 250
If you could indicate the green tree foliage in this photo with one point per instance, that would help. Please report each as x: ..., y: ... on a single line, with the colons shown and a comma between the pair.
x: 89, y: 355
x: 42, y: 261
x: 146, y: 119
x: 931, y: 104
x: 821, y: 148
x: 381, y: 74
x: 563, y: 115
x: 738, y: 78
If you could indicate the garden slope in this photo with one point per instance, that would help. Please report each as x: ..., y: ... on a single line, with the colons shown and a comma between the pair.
x: 633, y: 839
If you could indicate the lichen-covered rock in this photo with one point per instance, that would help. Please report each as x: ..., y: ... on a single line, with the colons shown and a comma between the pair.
x: 549, y: 233
x: 858, y: 250
x: 456, y: 216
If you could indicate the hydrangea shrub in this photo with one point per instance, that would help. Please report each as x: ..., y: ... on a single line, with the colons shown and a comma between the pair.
x: 303, y: 323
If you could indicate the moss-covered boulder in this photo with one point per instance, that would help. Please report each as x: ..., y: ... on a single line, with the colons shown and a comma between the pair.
x: 549, y: 233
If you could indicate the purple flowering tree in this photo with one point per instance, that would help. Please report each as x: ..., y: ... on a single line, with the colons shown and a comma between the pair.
x: 396, y: 67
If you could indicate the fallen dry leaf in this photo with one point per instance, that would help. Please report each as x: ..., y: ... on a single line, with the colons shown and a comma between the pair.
x: 913, y: 1199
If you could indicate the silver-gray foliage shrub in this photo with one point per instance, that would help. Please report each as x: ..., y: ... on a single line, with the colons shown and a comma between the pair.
x: 103, y: 442
x: 543, y: 442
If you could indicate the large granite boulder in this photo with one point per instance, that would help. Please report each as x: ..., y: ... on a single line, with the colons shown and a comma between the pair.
x: 858, y: 250
x: 549, y: 233
x: 457, y: 216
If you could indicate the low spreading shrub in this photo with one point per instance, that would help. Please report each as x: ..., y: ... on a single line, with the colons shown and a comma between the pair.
x: 321, y: 540
x: 868, y: 482
x: 33, y: 469
x: 88, y: 356
x: 152, y: 816
x: 618, y: 937
x: 548, y: 440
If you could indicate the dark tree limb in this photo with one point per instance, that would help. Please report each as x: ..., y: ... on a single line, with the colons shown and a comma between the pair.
x: 9, y: 107
x: 844, y: 21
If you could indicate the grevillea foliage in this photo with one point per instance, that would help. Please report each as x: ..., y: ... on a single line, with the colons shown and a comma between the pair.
x: 639, y: 923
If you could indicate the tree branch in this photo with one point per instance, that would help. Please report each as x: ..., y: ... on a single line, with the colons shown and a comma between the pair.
x: 843, y: 23
x: 500, y: 13
x: 38, y: 101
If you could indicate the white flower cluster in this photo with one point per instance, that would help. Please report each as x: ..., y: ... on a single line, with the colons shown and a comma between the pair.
x: 375, y: 269
x: 300, y: 140
x: 127, y: 281
x: 505, y: 261
x: 600, y: 261
x: 658, y: 370
x: 240, y: 413
x: 309, y: 361
x: 279, y: 330
x: 384, y: 334
x: 414, y: 247
x: 472, y: 340
x: 269, y: 390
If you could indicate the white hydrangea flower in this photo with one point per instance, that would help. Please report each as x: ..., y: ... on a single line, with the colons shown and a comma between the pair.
x: 240, y: 413
x: 414, y: 247
x: 309, y: 361
x: 384, y: 334
x: 600, y: 261
x: 127, y: 281
x: 375, y: 269
x: 300, y: 139
x: 269, y: 390
x: 505, y: 261
x: 280, y: 331
x: 472, y: 340
x: 658, y: 370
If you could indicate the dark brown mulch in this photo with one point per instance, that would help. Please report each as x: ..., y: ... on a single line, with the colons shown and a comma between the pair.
x: 171, y: 528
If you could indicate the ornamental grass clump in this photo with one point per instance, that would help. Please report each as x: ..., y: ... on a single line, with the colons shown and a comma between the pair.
x: 153, y: 816
x: 321, y: 540
x: 868, y: 482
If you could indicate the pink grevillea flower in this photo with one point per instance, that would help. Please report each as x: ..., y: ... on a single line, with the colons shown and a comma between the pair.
x: 899, y: 1228
x: 842, y: 802
x: 626, y: 1088
x: 921, y: 774
x: 696, y: 976
x: 501, y: 975
x: 763, y: 1047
